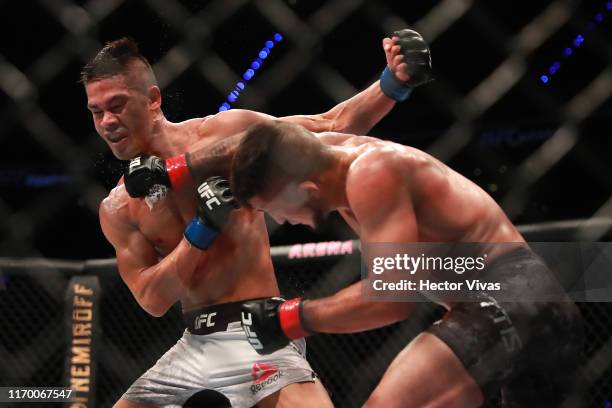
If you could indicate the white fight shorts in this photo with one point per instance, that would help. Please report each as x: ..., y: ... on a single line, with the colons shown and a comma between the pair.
x: 222, y: 361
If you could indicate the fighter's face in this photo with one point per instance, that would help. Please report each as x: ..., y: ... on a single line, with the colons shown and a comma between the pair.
x: 293, y: 205
x: 121, y: 115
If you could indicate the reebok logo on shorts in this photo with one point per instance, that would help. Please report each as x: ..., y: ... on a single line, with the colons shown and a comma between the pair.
x: 261, y: 371
x: 263, y: 374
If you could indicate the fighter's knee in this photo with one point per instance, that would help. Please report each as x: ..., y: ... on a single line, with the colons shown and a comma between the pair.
x: 122, y: 404
x: 128, y: 404
x: 378, y: 399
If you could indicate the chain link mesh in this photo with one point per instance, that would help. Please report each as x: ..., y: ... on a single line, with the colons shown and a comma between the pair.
x: 349, y: 366
x: 541, y: 151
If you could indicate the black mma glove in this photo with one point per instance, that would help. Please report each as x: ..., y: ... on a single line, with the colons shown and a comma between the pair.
x: 418, y: 60
x: 271, y: 323
x: 216, y: 202
x: 144, y: 172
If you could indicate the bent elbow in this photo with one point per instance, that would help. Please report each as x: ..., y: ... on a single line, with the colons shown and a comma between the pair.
x: 399, y: 311
x: 349, y: 122
x: 360, y: 129
x: 342, y: 125
x: 156, y: 306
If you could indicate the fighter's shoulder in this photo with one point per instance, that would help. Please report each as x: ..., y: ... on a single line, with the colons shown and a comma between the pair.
x: 371, y: 172
x: 193, y: 124
x: 380, y: 158
x: 231, y: 121
x: 239, y: 115
x: 114, y: 209
x: 371, y: 185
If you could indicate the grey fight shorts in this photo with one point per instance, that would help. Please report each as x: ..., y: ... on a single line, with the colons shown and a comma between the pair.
x: 222, y: 362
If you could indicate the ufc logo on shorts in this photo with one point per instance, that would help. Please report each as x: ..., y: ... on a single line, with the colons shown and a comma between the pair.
x: 204, y: 319
x: 512, y: 341
x: 205, y: 192
x: 247, y: 322
x: 134, y: 163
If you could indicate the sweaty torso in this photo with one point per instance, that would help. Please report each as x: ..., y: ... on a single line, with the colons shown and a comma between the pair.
x: 447, y: 206
x: 238, y: 265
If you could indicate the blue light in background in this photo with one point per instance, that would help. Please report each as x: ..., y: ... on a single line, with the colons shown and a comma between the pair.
x: 554, y: 67
x: 577, y: 41
x: 249, y: 73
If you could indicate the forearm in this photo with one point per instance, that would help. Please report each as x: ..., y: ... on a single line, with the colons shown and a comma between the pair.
x: 346, y: 312
x: 206, y: 159
x: 269, y: 324
x: 408, y: 66
x: 165, y: 283
x: 359, y: 114
x: 214, y: 159
x: 356, y: 115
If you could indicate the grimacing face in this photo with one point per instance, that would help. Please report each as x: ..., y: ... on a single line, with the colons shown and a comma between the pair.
x: 121, y: 114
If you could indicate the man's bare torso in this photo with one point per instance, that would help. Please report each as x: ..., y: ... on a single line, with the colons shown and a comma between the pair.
x: 448, y: 207
x: 237, y: 266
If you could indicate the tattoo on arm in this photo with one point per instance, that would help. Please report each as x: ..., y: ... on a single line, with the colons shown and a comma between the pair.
x: 214, y: 159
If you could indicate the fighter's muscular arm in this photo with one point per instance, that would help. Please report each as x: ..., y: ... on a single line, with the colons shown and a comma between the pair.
x: 356, y: 115
x: 359, y: 114
x: 155, y: 285
x: 405, y: 52
x: 208, y: 159
x: 380, y: 200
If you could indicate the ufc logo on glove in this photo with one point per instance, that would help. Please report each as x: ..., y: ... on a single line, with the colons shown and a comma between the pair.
x: 206, y: 193
x: 135, y: 162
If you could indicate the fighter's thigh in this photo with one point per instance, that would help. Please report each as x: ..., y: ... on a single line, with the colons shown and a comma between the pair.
x: 306, y: 394
x: 426, y: 374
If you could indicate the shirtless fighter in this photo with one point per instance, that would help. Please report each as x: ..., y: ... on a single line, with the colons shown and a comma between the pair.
x: 212, y: 262
x: 390, y: 193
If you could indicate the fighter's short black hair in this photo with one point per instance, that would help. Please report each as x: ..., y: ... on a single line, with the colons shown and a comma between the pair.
x: 273, y: 154
x: 113, y: 59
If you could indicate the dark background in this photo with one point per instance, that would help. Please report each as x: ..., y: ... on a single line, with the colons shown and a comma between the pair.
x: 543, y: 151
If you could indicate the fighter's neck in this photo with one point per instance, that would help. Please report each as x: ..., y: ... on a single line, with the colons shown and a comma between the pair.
x: 168, y: 139
x: 332, y: 182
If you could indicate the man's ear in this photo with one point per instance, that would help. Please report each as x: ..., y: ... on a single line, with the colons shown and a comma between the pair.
x: 154, y: 97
